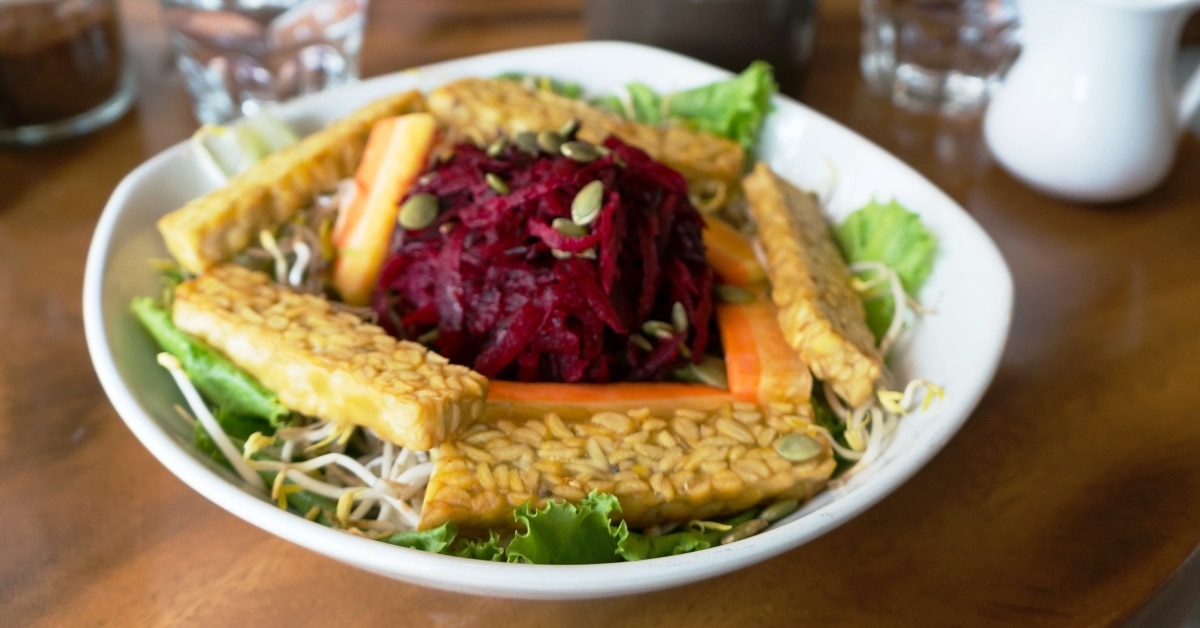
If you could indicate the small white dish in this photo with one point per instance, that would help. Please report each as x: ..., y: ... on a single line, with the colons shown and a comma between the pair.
x: 958, y: 347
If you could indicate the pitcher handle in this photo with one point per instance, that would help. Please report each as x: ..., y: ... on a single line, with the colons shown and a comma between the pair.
x: 1189, y: 98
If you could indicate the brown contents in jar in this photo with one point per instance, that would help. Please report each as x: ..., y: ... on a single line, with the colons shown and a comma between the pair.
x: 58, y: 59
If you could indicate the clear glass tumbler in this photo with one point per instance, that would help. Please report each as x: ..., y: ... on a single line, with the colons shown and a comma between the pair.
x: 938, y: 55
x: 236, y: 55
x: 62, y: 69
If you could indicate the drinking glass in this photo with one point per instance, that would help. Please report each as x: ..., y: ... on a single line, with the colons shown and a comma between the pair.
x: 62, y: 69
x: 237, y: 55
x: 938, y: 55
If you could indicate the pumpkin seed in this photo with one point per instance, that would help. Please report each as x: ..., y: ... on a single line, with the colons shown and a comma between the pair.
x: 549, y: 141
x: 418, y: 212
x: 711, y: 371
x: 560, y: 254
x: 426, y: 178
x: 496, y: 147
x: 733, y: 294
x: 587, y: 254
x: 798, y: 447
x: 679, y: 317
x: 779, y: 510
x: 640, y: 342
x: 526, y: 141
x: 447, y: 227
x: 585, y: 207
x: 579, y: 151
x: 567, y: 227
x: 744, y: 530
x: 429, y: 336
x: 658, y: 329
x: 569, y: 129
x: 496, y: 183
x: 684, y: 351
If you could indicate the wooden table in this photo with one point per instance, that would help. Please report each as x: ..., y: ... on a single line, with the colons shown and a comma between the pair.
x: 1069, y: 498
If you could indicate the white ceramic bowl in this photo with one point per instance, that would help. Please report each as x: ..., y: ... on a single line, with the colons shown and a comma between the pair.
x: 958, y: 347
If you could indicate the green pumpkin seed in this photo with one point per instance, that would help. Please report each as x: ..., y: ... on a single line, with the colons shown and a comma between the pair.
x: 684, y: 351
x: 549, y: 141
x: 418, y: 212
x: 560, y: 254
x: 567, y: 227
x: 585, y: 207
x: 579, y: 151
x: 679, y: 317
x: 733, y: 294
x: 569, y: 129
x: 798, y: 447
x: 587, y: 254
x: 640, y: 342
x: 429, y: 336
x: 711, y: 371
x: 744, y: 530
x: 779, y: 510
x: 496, y: 147
x: 526, y: 141
x: 496, y: 183
x: 658, y: 329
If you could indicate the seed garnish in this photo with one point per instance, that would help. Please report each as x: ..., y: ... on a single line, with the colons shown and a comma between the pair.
x: 418, y: 212
x: 585, y: 207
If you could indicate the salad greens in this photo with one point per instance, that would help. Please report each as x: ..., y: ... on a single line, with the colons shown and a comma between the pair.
x: 218, y: 379
x: 895, y: 237
x: 735, y: 108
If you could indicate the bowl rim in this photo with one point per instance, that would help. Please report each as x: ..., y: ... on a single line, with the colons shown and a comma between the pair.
x: 502, y: 579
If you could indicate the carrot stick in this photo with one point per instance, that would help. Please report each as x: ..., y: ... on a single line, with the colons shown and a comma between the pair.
x: 520, y: 400
x: 396, y: 154
x: 731, y: 254
x: 760, y: 365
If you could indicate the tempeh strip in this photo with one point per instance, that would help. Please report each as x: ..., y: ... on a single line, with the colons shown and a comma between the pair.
x: 820, y: 313
x: 222, y: 223
x: 329, y: 364
x: 488, y: 106
x: 662, y: 466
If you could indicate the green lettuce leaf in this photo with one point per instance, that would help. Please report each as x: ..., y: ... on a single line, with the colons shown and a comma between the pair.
x: 735, y: 108
x: 888, y: 233
x: 490, y: 549
x: 437, y: 540
x: 638, y: 546
x: 565, y: 534
x: 645, y: 103
x: 218, y: 379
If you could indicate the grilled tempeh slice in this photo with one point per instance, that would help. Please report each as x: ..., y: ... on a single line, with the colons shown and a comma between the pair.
x: 329, y: 364
x: 484, y: 107
x: 662, y: 466
x: 220, y: 224
x: 819, y: 311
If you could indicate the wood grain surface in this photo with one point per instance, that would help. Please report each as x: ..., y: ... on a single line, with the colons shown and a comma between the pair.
x: 1069, y: 498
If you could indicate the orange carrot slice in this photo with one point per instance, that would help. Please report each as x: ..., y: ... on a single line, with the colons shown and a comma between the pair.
x: 530, y: 400
x: 396, y: 154
x: 731, y: 255
x: 760, y: 365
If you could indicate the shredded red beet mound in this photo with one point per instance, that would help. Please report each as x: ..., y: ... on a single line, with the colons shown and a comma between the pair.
x: 514, y: 298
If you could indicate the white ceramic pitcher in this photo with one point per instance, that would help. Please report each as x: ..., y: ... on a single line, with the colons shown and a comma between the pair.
x: 1089, y: 111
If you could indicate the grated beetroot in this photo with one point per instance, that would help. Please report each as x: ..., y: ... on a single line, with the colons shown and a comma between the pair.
x: 485, y: 276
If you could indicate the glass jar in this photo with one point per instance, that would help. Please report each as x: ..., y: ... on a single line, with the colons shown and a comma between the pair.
x: 63, y: 71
